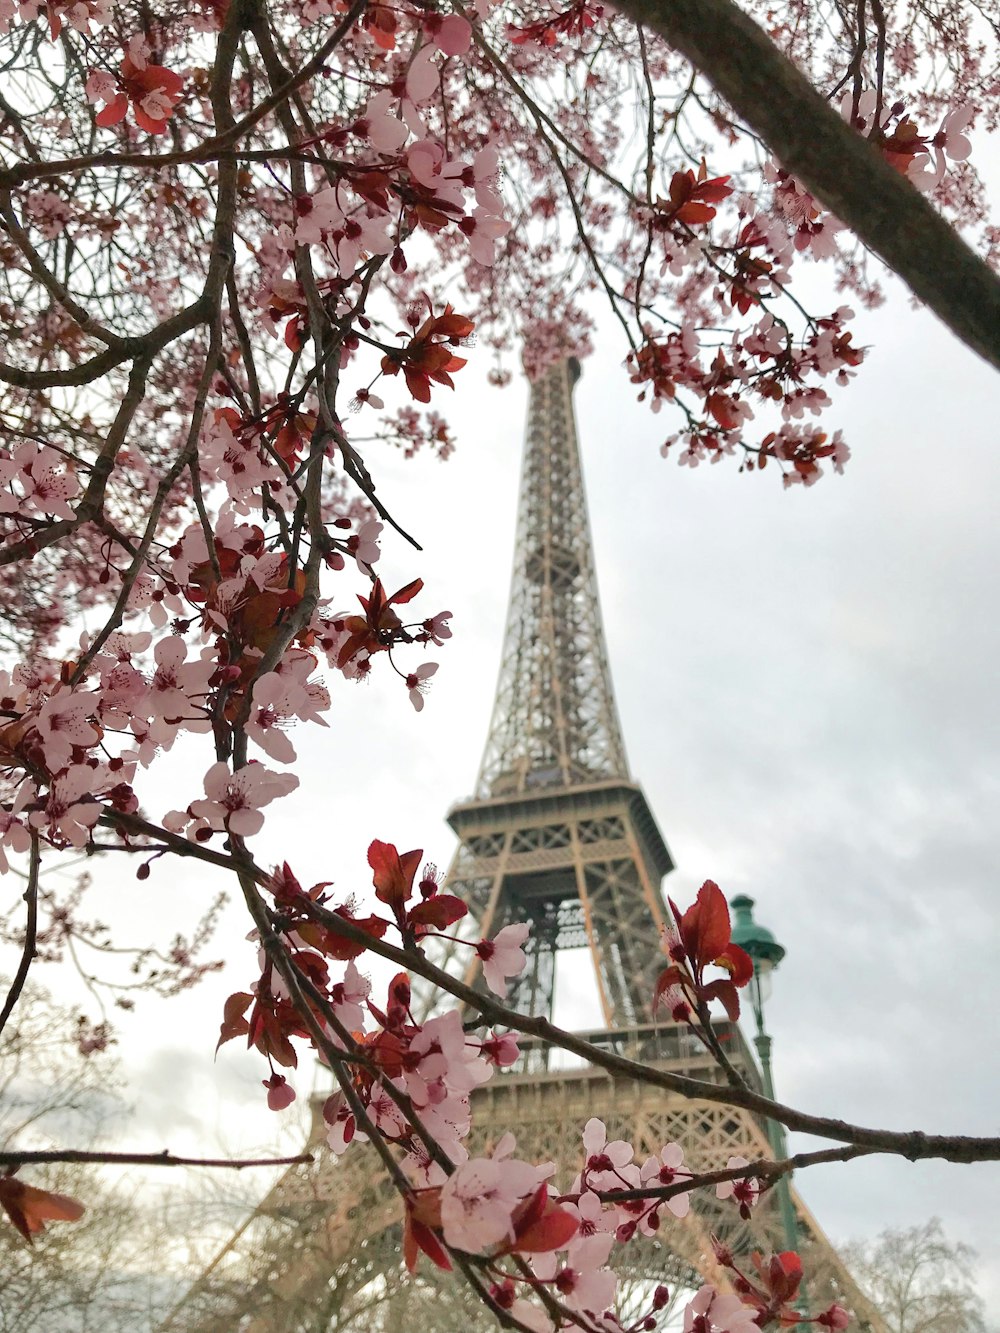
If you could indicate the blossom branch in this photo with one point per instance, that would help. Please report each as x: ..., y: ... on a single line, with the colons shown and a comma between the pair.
x: 914, y: 1145
x: 763, y: 1169
x: 885, y: 212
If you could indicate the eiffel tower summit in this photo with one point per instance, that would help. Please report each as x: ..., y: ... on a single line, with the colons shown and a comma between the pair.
x: 558, y: 835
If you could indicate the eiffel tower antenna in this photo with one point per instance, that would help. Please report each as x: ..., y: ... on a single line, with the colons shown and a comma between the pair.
x: 554, y: 723
x: 557, y: 834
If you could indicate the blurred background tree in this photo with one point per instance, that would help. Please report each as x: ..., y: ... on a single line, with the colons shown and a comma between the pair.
x: 920, y: 1280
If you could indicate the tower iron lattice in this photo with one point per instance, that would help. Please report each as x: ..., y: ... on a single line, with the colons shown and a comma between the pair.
x: 559, y: 835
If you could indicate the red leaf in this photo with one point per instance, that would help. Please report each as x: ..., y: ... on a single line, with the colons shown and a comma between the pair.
x: 398, y: 1003
x: 442, y: 910
x: 737, y: 963
x: 705, y: 927
x: 554, y: 1229
x: 694, y: 211
x: 725, y: 992
x: 714, y: 190
x: 393, y: 877
x: 233, y: 1022
x: 338, y: 946
x: 784, y: 1275
x: 30, y: 1208
x: 529, y: 1210
x: 723, y: 409
x: 267, y: 1031
x: 407, y: 592
x: 418, y: 385
x: 113, y: 112
x: 423, y: 1212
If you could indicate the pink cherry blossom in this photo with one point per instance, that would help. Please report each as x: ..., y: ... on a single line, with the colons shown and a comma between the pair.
x: 485, y: 168
x: 341, y: 1125
x: 594, y: 1216
x: 386, y: 132
x: 526, y: 1312
x: 235, y: 459
x: 950, y: 137
x: 712, y: 1312
x: 478, y: 1200
x: 743, y: 1190
x: 347, y: 997
x: 65, y: 816
x: 47, y: 485
x: 835, y: 1316
x: 608, y: 1165
x: 501, y: 1049
x: 364, y: 546
x: 503, y: 957
x: 949, y: 144
x: 62, y: 724
x: 724, y: 1189
x: 429, y: 165
x: 280, y: 1092
x: 454, y: 35
x: 235, y: 799
x: 582, y: 1282
x: 123, y: 693
x: 437, y: 627
x: 48, y: 211
x: 14, y: 835
x: 422, y: 77
x: 318, y: 214
x: 448, y: 1056
x: 416, y: 683
x: 275, y: 704
x: 386, y: 1115
x: 483, y: 231
x: 176, y: 683
x: 668, y: 1169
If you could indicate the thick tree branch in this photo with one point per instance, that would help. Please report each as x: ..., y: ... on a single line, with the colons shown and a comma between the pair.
x: 763, y: 1169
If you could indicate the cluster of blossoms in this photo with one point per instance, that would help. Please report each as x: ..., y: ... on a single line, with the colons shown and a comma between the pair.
x: 432, y: 1065
x: 74, y: 734
x: 716, y: 385
x: 922, y: 158
x: 150, y: 91
x: 762, y: 363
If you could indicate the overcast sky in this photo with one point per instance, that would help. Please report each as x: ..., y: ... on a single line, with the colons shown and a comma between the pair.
x: 807, y: 686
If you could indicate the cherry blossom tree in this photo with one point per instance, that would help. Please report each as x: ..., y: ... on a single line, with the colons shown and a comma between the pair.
x: 231, y: 235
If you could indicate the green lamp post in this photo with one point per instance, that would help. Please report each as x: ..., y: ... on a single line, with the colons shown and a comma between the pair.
x: 765, y: 954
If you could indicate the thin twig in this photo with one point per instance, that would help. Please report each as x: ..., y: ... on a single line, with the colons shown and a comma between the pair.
x: 30, y: 934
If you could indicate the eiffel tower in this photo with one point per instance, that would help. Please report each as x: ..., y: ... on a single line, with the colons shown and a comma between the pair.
x: 559, y: 835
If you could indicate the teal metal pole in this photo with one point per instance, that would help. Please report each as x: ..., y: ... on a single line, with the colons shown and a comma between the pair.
x: 779, y: 1145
